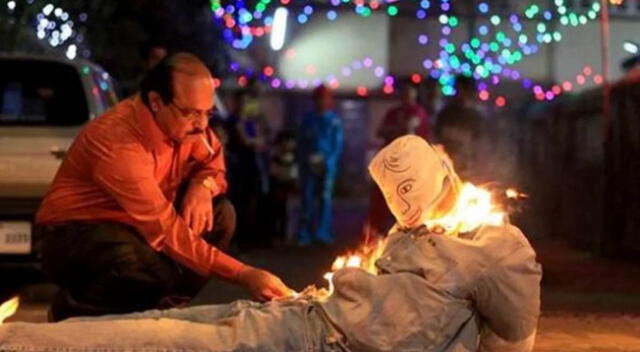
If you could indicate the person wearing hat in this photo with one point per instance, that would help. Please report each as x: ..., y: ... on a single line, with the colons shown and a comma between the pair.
x: 436, y: 289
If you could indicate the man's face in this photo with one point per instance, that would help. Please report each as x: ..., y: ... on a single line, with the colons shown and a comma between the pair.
x: 187, y: 116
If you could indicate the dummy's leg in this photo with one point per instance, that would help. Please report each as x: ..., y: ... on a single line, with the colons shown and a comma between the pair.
x: 270, y: 327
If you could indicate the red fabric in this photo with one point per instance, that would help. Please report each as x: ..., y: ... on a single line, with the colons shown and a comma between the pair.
x: 396, y: 122
x: 123, y: 168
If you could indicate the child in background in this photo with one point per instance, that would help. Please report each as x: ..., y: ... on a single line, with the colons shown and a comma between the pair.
x: 283, y: 175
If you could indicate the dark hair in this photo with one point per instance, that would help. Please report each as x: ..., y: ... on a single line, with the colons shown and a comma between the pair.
x: 160, y: 78
x: 465, y: 83
x: 147, y: 48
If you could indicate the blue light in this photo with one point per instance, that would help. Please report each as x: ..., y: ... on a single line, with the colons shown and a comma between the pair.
x: 483, y: 30
x: 331, y: 15
x: 425, y: 4
x: 421, y: 14
x: 308, y: 10
x: 302, y: 18
x: 483, y: 7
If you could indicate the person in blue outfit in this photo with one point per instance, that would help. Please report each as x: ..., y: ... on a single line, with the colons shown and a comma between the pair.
x: 320, y: 140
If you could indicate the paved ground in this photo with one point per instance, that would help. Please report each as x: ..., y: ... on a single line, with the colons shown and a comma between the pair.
x: 589, y: 304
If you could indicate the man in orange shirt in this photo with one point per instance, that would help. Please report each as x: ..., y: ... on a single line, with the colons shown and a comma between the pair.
x: 129, y: 221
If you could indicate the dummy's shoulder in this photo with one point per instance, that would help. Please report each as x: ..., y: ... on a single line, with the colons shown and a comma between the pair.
x: 502, y: 240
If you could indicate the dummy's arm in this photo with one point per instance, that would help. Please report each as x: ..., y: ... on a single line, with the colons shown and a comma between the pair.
x: 508, y: 297
x: 490, y: 342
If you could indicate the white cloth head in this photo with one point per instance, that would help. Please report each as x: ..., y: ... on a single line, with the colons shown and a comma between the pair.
x: 413, y: 176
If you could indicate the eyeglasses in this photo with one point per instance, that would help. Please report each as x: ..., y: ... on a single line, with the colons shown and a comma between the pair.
x: 193, y: 114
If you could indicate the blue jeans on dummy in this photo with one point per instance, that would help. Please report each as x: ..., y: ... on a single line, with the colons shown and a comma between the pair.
x: 313, y: 187
x: 240, y: 326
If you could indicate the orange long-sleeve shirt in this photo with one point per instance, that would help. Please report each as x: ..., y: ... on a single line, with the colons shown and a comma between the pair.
x: 123, y: 168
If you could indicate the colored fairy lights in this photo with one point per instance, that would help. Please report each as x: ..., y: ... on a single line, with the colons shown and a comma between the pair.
x: 497, y: 44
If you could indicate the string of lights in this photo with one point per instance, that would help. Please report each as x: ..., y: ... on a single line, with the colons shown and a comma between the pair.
x: 497, y: 44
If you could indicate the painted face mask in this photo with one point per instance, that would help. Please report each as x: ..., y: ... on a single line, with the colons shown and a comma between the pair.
x: 413, y: 177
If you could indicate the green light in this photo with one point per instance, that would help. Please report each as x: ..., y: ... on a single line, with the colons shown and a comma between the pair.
x: 392, y: 10
x: 447, y: 90
x: 454, y: 62
x: 475, y: 43
x: 261, y: 7
x: 500, y: 36
x: 494, y: 47
x: 450, y: 48
x: 542, y: 27
x: 85, y: 70
x: 523, y: 38
x: 453, y: 21
x: 517, y: 55
x: 564, y: 20
x: 557, y: 36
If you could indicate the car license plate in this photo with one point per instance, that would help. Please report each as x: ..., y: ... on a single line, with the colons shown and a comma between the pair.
x: 15, y: 237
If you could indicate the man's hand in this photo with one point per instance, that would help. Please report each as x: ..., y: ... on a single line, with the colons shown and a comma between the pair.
x: 197, y: 209
x: 263, y: 285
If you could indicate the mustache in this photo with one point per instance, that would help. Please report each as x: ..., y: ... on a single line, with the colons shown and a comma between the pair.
x: 196, y: 131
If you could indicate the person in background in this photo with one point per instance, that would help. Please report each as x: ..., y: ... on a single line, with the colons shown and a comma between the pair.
x: 407, y: 118
x: 151, y: 54
x: 460, y: 126
x: 246, y: 186
x: 430, y: 98
x: 283, y: 175
x: 320, y: 141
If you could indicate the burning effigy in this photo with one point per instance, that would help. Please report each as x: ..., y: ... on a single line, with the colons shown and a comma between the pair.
x: 452, y: 275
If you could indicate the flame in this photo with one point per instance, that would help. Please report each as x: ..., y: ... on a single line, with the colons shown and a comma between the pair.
x: 473, y: 209
x: 364, y: 258
x: 9, y: 308
x: 514, y: 194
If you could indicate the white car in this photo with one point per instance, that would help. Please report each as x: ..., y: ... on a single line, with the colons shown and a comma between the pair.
x: 43, y: 104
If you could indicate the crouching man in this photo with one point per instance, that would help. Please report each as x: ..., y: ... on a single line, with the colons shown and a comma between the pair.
x: 441, y: 285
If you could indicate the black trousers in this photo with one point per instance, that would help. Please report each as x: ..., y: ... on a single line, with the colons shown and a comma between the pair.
x: 108, y: 268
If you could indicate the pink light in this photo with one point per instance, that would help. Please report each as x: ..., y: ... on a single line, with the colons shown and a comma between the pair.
x: 310, y: 69
x: 275, y: 83
x: 597, y: 79
x: 362, y: 91
x: 483, y: 95
x: 387, y: 89
x: 566, y: 85
x: 580, y: 79
x: 540, y: 96
x: 556, y: 89
x: 587, y: 70
x: 549, y: 95
x: 538, y: 90
x: 501, y: 101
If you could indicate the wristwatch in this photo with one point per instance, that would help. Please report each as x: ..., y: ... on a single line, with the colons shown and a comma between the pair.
x: 210, y: 184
